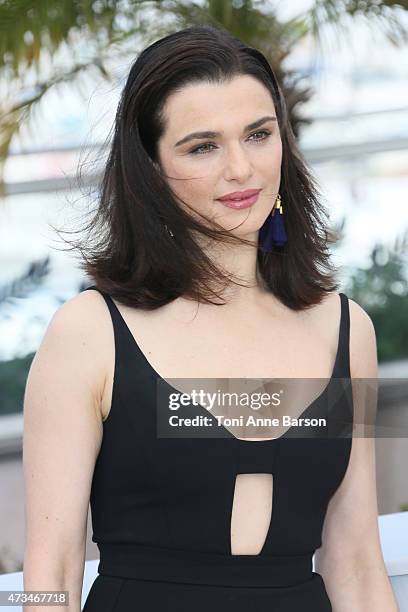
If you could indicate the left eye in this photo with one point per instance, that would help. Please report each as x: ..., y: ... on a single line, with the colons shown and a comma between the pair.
x: 199, y: 150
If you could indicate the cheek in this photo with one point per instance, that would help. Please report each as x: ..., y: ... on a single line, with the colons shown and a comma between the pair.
x: 194, y: 180
x: 198, y: 187
x: 194, y: 187
x: 277, y: 150
x: 271, y: 163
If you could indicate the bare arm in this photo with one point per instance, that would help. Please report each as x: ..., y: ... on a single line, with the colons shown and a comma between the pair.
x: 62, y: 437
x: 350, y: 559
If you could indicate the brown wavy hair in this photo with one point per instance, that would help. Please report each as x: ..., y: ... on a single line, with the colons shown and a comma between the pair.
x: 126, y: 250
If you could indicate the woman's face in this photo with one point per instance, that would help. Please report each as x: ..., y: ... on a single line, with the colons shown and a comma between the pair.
x: 201, y: 169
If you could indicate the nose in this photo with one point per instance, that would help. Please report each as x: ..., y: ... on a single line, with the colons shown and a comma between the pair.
x: 237, y: 165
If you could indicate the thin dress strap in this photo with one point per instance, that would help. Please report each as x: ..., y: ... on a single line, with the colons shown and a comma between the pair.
x: 124, y: 341
x: 343, y: 363
x: 115, y: 314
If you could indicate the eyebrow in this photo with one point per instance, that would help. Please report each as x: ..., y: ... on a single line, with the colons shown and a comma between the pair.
x: 199, y: 135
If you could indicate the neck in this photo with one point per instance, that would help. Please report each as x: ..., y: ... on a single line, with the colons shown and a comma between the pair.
x: 239, y: 260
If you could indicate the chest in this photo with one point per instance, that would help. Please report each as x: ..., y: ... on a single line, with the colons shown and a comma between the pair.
x: 247, y: 344
x: 247, y: 347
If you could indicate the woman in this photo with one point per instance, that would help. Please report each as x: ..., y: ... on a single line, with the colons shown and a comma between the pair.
x: 194, y: 277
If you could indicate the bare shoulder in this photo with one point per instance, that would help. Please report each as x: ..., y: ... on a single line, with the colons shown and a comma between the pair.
x: 363, y: 343
x: 63, y: 434
x: 80, y: 330
x: 360, y: 320
x: 350, y: 537
x: 85, y: 304
x: 82, y: 320
x: 360, y: 317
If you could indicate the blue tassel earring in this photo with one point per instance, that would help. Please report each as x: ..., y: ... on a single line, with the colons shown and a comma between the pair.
x: 272, y: 232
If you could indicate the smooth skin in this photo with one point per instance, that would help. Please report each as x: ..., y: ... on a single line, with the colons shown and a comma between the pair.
x: 69, y: 385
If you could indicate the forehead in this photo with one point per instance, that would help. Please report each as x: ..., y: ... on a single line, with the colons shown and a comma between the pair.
x: 217, y: 105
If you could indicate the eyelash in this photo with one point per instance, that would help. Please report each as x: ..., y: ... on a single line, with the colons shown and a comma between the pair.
x: 197, y: 151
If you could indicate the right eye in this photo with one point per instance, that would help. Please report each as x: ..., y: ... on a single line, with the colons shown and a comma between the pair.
x: 197, y: 150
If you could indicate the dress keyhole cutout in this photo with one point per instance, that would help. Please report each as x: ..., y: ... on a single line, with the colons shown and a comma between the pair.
x: 251, y: 513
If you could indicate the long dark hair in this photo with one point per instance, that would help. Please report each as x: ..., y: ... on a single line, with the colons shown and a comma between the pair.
x: 127, y: 251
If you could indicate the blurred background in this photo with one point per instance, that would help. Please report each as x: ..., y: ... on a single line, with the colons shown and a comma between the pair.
x: 343, y: 67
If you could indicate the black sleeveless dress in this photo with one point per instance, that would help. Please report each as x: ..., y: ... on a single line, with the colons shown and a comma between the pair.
x: 161, y: 507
